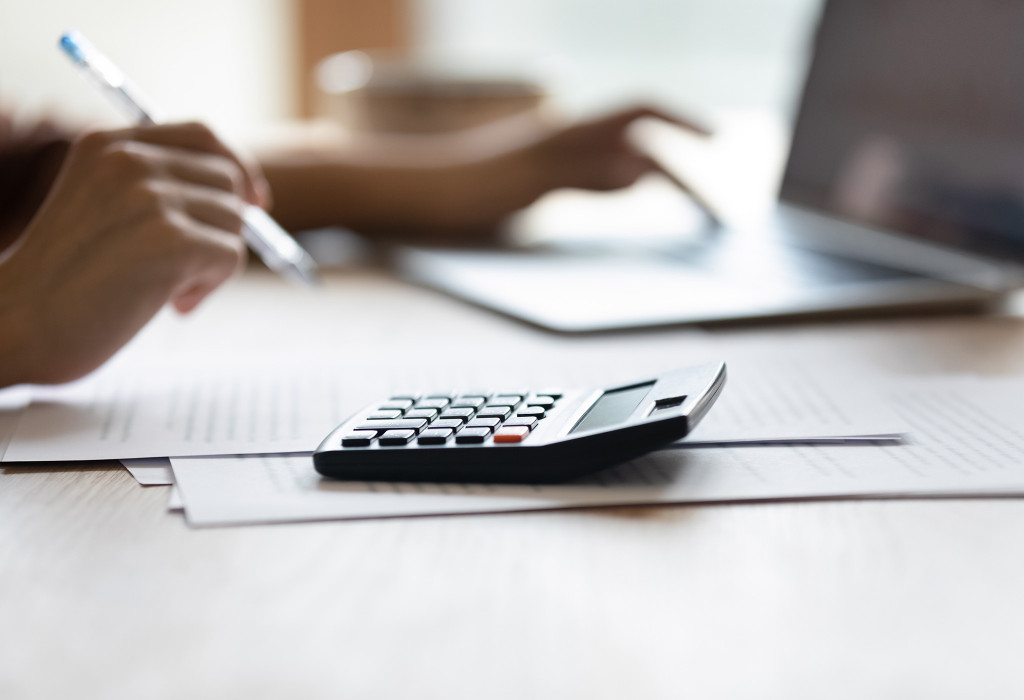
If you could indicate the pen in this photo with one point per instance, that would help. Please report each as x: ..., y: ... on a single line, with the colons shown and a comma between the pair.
x: 262, y: 234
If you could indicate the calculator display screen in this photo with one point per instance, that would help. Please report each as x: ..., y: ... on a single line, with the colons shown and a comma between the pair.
x: 613, y: 407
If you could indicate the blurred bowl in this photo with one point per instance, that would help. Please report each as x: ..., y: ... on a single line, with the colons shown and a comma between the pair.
x: 390, y: 93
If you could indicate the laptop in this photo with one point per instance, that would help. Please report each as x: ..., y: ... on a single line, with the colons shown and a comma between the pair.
x: 903, y: 189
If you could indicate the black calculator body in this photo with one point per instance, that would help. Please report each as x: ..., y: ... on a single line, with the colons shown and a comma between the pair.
x: 517, y: 436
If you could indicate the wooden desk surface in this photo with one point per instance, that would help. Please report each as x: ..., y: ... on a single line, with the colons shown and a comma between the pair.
x: 103, y: 594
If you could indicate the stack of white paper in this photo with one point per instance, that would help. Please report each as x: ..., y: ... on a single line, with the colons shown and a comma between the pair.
x: 145, y: 412
x: 968, y: 439
x: 12, y: 403
x: 198, y: 412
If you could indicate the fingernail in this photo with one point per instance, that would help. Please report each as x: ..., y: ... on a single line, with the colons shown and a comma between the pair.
x: 257, y: 192
x: 263, y: 193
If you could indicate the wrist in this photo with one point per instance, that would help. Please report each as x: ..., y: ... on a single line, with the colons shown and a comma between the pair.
x: 510, y: 182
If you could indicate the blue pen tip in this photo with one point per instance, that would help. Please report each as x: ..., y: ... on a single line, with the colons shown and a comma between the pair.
x: 69, y: 43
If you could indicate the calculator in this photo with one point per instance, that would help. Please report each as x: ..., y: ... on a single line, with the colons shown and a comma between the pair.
x: 541, y: 436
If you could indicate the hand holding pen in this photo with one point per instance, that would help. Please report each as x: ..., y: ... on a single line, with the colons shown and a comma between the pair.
x: 137, y: 219
x: 275, y: 247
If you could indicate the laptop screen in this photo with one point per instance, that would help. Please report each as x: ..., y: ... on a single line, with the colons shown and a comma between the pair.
x: 912, y: 119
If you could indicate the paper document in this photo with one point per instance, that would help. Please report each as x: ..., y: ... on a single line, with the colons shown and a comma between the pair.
x: 968, y: 438
x: 132, y: 412
x: 154, y: 471
x: 162, y: 412
x: 12, y: 403
x: 798, y: 404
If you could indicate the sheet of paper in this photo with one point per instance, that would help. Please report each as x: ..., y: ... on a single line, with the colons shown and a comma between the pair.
x: 153, y: 471
x: 12, y: 403
x: 142, y: 412
x: 133, y: 411
x: 200, y: 409
x: 174, y: 502
x: 797, y: 403
x: 968, y: 439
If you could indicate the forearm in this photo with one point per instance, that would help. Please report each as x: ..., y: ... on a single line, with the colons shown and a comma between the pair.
x: 444, y: 187
x: 311, y: 191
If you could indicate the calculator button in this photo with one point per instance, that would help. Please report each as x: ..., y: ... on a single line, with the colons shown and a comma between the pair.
x: 396, y: 405
x: 360, y: 438
x: 435, y: 436
x: 384, y: 415
x: 403, y: 397
x: 511, y: 433
x: 553, y: 393
x: 459, y: 413
x: 494, y: 412
x: 450, y: 423
x: 432, y: 403
x: 439, y: 395
x: 489, y: 423
x: 396, y: 437
x: 402, y: 424
x: 505, y: 401
x: 541, y: 401
x: 529, y: 421
x: 473, y: 435
x: 428, y: 413
x: 534, y: 411
x: 469, y: 402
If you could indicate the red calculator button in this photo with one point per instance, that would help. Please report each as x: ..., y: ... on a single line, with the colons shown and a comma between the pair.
x: 512, y: 433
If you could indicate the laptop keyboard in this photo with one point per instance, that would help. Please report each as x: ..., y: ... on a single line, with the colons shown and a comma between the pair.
x: 814, y: 267
x: 786, y: 263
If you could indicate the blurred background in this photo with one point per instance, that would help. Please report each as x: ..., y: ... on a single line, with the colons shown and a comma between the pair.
x: 248, y: 66
x: 244, y: 63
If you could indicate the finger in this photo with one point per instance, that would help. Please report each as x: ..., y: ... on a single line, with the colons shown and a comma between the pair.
x: 204, y: 169
x: 708, y: 209
x: 214, y: 208
x: 624, y: 118
x: 188, y: 301
x: 176, y: 165
x: 603, y: 174
x: 217, y: 257
x: 193, y: 136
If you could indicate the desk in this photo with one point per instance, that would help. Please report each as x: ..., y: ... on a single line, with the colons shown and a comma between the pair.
x: 103, y: 594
